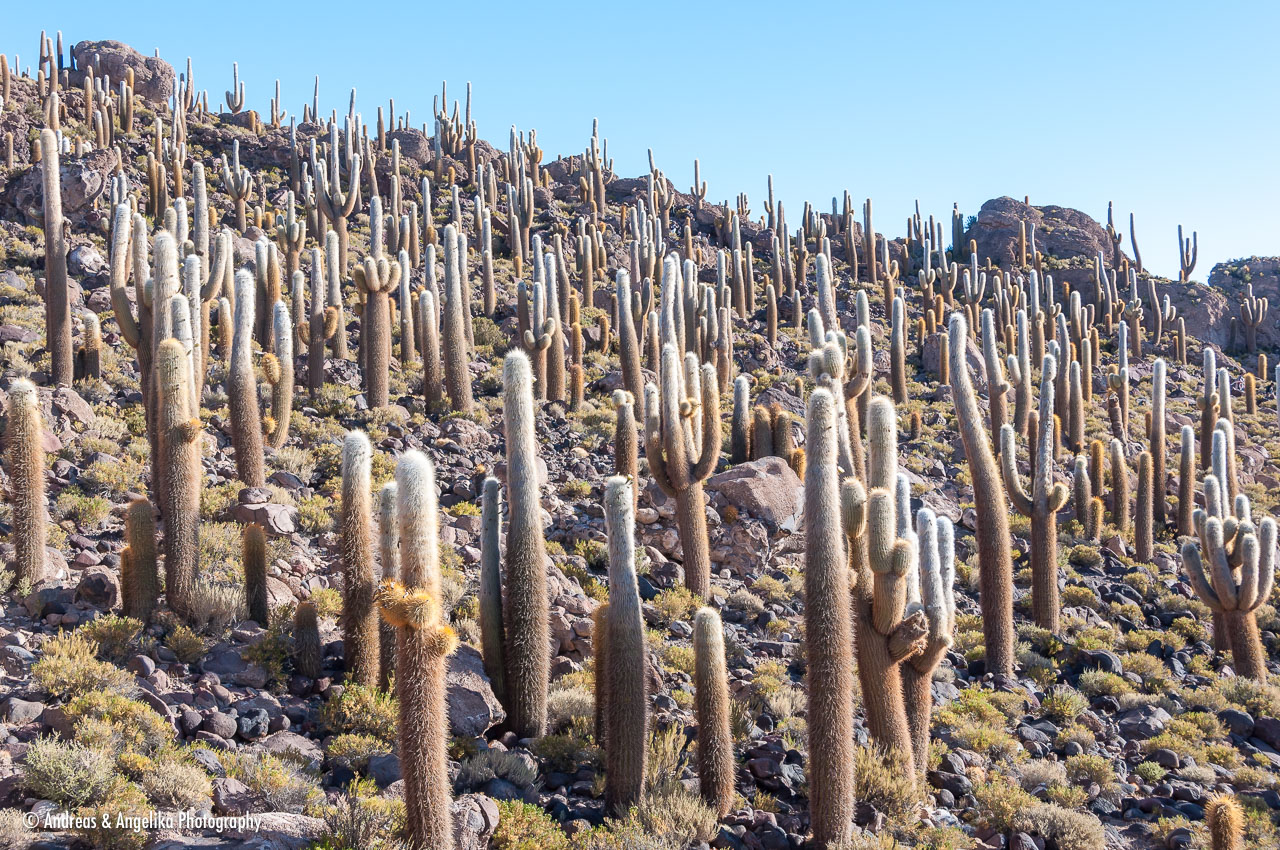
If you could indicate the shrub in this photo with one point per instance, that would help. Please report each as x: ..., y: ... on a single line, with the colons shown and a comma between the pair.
x: 999, y: 802
x: 677, y: 815
x: 354, y: 823
x: 1099, y: 683
x: 70, y: 666
x: 1086, y: 768
x: 185, y: 643
x: 1067, y: 829
x: 676, y: 603
x: 118, y: 723
x: 123, y: 798
x: 67, y: 773
x: 1150, y: 772
x: 278, y: 785
x: 770, y: 589
x: 83, y: 510
x: 501, y: 764
x: 883, y: 784
x: 176, y: 784
x: 525, y: 827
x: 1064, y: 703
x: 354, y: 751
x: 328, y: 601
x: 566, y: 704
x: 361, y: 710
x: 116, y: 637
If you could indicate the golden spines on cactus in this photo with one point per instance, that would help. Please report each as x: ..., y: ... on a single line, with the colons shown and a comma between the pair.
x: 254, y: 549
x: 307, y: 650
x: 1225, y: 819
x: 24, y: 438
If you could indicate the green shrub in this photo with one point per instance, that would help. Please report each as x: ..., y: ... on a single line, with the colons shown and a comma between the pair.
x: 116, y: 637
x: 361, y: 710
x: 525, y: 827
x: 67, y: 773
x: 70, y: 666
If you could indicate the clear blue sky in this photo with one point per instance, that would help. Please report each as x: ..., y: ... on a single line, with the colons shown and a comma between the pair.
x: 1170, y: 109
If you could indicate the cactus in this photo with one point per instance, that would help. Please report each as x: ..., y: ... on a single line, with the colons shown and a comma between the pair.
x: 179, y: 436
x: 389, y: 554
x: 454, y: 349
x: 1119, y: 488
x: 711, y: 704
x: 139, y: 584
x: 321, y: 326
x: 423, y: 645
x: 525, y: 611
x: 997, y: 387
x: 994, y: 557
x: 1234, y: 600
x: 56, y: 297
x: 335, y: 204
x: 238, y: 183
x: 89, y: 360
x: 625, y: 450
x: 492, y: 632
x: 682, y: 453
x: 937, y: 600
x: 1209, y: 405
x: 1156, y: 434
x: 24, y: 438
x: 1143, y: 536
x: 829, y: 649
x: 242, y: 389
x: 359, y: 615
x: 537, y: 330
x: 739, y: 426
x: 1225, y: 818
x: 1186, y: 480
x: 376, y: 279
x: 898, y: 352
x: 253, y: 543
x: 627, y: 706
x: 308, y: 657
x: 1042, y: 504
x: 278, y: 367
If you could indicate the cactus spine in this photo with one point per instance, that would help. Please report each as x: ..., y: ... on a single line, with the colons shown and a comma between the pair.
x: 1226, y: 823
x: 683, y: 453
x: 180, y: 499
x: 627, y: 706
x: 525, y: 612
x: 308, y: 657
x: 994, y: 557
x: 829, y: 649
x: 253, y: 544
x: 242, y: 389
x: 1042, y: 504
x: 424, y: 643
x: 711, y: 700
x: 139, y: 584
x: 492, y: 633
x: 359, y: 616
x: 56, y: 297
x: 24, y: 436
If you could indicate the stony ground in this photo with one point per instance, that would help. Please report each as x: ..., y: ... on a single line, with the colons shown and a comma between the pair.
x: 1114, y: 733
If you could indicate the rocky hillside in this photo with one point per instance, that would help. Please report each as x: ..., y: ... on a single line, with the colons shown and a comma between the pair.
x: 420, y: 491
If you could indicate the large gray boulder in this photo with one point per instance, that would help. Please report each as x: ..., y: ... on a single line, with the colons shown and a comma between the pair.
x: 153, y: 78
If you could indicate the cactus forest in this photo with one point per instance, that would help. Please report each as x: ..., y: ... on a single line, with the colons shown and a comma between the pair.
x: 372, y: 485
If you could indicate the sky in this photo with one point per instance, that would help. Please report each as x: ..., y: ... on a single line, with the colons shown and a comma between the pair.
x: 1169, y: 109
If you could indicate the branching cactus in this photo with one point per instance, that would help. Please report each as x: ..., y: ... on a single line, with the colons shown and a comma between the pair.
x: 829, y: 648
x: 238, y: 184
x: 628, y: 705
x: 1042, y: 504
x: 995, y: 561
x: 682, y: 444
x: 24, y: 438
x: 1253, y: 312
x: 376, y: 279
x: 423, y: 646
x: 525, y: 611
x: 180, y: 431
x: 937, y: 600
x: 139, y: 584
x: 711, y: 702
x: 537, y: 331
x: 359, y: 615
x: 242, y: 389
x: 56, y: 295
x: 1233, y: 591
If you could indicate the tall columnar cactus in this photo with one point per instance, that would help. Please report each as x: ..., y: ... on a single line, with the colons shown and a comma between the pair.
x: 711, y: 703
x: 454, y: 349
x: 1143, y: 533
x: 308, y: 653
x: 1042, y: 504
x: 335, y: 265
x: 829, y: 648
x: 423, y: 645
x: 253, y: 547
x: 1253, y: 312
x: 89, y: 359
x: 997, y: 386
x: 898, y: 352
x: 1225, y: 818
x: 525, y: 614
x: 1238, y: 578
x: 376, y: 279
x: 1119, y: 488
x: 626, y: 461
x: 139, y: 584
x: 24, y: 438
x: 937, y: 600
x: 242, y: 389
x: 492, y: 632
x: 278, y: 367
x: 389, y: 554
x: 537, y: 331
x: 682, y: 444
x: 995, y: 561
x: 321, y: 325
x: 628, y: 706
x: 1186, y: 480
x: 740, y: 422
x: 180, y: 431
x: 359, y: 614
x: 1159, y: 448
x: 57, y: 302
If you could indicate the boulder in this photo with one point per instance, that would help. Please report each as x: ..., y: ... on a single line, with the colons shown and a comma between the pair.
x: 766, y: 488
x: 84, y: 179
x: 1060, y: 232
x: 153, y: 78
x: 472, y: 706
x: 475, y: 817
x: 99, y: 587
x: 294, y: 746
